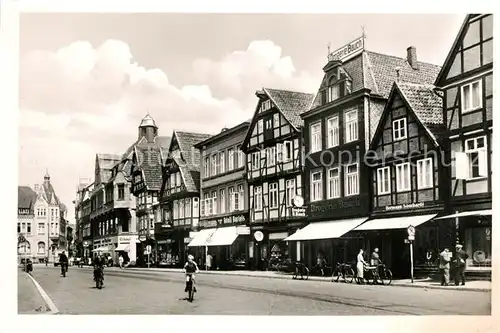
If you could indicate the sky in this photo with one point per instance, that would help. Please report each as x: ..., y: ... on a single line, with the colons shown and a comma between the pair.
x: 87, y: 80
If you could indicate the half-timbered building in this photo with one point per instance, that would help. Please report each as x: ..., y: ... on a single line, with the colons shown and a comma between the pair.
x: 273, y: 146
x: 223, y: 226
x: 146, y: 171
x: 408, y: 179
x: 337, y: 130
x: 179, y: 197
x: 466, y: 80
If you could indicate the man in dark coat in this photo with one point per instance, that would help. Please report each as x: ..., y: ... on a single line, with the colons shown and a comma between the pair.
x: 460, y: 257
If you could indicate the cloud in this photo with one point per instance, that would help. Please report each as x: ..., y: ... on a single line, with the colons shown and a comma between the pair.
x: 81, y: 100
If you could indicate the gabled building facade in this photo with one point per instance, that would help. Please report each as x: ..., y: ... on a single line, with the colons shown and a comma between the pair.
x: 82, y: 215
x: 466, y: 81
x: 28, y: 237
x: 337, y: 131
x: 179, y: 197
x: 409, y: 179
x: 224, y: 219
x: 273, y: 146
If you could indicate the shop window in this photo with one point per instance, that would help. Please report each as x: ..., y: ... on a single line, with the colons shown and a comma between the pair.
x: 478, y: 246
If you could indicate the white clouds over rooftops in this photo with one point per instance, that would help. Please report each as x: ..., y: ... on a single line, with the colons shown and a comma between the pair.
x: 93, y: 98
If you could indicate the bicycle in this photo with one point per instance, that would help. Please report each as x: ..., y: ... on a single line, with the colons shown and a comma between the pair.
x: 302, y: 270
x: 384, y: 274
x: 343, y: 270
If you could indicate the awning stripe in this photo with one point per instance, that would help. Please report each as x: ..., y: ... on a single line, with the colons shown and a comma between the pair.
x: 469, y: 213
x: 395, y: 222
x: 223, y: 236
x: 326, y: 230
x: 201, y: 237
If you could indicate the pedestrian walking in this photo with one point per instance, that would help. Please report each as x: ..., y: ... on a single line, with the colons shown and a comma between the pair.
x: 460, y: 257
x: 444, y: 266
x: 120, y: 261
x: 360, y: 267
x: 208, y: 261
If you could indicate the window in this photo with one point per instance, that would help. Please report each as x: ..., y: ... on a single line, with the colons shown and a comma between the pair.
x: 230, y: 162
x: 222, y: 202
x: 290, y: 191
x: 172, y: 180
x: 269, y: 124
x: 333, y: 183
x: 271, y: 155
x: 403, y: 177
x: 383, y: 180
x: 24, y: 247
x: 176, y: 210
x: 206, y: 172
x: 476, y: 165
x: 258, y: 198
x: 121, y: 191
x: 348, y: 87
x: 202, y: 208
x: 279, y: 153
x: 399, y: 129
x: 236, y: 200
x: 222, y: 164
x: 29, y: 228
x: 288, y: 151
x: 276, y: 119
x: 333, y: 131
x: 424, y: 173
x: 241, y: 197
x: 260, y: 126
x: 315, y: 137
x: 187, y: 207
x: 213, y: 166
x: 240, y: 157
x: 351, y: 125
x: 333, y: 93
x: 255, y: 161
x: 231, y: 199
x: 178, y: 179
x: 472, y: 96
x: 18, y: 227
x: 273, y: 195
x: 41, y: 248
x: 351, y: 180
x: 214, y: 200
x: 266, y: 105
x: 317, y: 186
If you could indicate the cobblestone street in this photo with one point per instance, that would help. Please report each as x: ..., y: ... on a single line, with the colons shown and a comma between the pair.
x: 153, y: 292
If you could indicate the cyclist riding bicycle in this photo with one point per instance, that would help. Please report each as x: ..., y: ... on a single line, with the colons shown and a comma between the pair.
x: 99, y: 263
x: 63, y: 260
x: 190, y: 268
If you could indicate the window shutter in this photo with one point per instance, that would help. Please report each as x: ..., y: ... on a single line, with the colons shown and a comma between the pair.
x: 483, y: 163
x: 461, y: 165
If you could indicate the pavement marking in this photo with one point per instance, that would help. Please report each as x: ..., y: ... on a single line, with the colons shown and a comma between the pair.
x: 45, y: 296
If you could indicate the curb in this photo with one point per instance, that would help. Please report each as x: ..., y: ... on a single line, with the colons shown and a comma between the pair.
x: 316, y: 279
x: 46, y: 298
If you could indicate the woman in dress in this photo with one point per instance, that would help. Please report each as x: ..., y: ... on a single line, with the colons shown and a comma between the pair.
x: 360, y: 267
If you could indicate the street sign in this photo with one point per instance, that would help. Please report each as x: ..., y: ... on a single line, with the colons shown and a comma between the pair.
x: 148, y: 249
x: 411, y: 231
x: 142, y: 238
x: 258, y: 235
x: 411, y: 237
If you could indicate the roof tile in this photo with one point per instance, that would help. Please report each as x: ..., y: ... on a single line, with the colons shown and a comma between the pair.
x: 291, y: 103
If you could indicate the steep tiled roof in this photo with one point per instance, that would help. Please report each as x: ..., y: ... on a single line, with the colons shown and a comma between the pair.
x: 377, y: 72
x: 149, y: 161
x: 189, y: 158
x: 425, y: 103
x: 106, y: 163
x: 26, y: 197
x: 49, y: 194
x: 291, y: 103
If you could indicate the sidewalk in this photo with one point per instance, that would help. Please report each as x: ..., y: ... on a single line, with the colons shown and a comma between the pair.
x: 29, y: 300
x: 478, y: 285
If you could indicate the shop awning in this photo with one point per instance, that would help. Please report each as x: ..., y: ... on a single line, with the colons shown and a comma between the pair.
x: 123, y: 247
x: 222, y: 236
x: 395, y: 222
x: 326, y: 230
x: 470, y: 213
x: 201, y: 237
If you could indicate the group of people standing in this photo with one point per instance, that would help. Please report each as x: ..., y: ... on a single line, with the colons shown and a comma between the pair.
x: 361, y: 264
x: 446, y: 260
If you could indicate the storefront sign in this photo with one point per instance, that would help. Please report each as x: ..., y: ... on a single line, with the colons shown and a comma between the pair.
x: 405, y: 206
x: 124, y: 239
x: 298, y: 201
x: 278, y: 235
x: 347, y: 51
x: 187, y: 240
x: 243, y: 230
x: 259, y: 236
x: 208, y: 223
x: 338, y: 204
x: 142, y: 238
x: 298, y: 211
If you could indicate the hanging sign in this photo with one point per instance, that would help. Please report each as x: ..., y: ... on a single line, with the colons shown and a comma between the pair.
x: 258, y: 235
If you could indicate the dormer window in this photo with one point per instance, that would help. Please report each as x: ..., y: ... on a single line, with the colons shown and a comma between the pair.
x: 266, y: 105
x: 339, y: 85
x: 333, y: 93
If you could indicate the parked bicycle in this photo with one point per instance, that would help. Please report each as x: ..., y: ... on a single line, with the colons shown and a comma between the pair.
x: 321, y: 270
x: 376, y: 274
x: 343, y: 271
x: 301, y: 270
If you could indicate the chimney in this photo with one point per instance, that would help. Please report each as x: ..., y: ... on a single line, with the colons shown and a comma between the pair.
x: 411, y: 56
x: 398, y: 69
